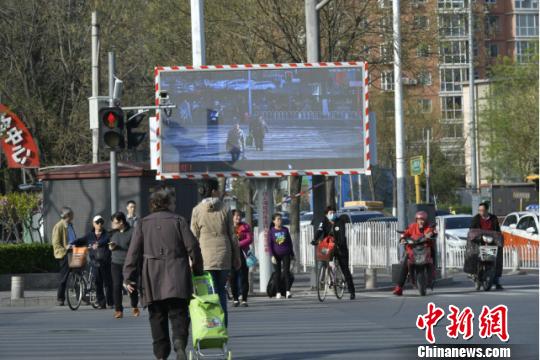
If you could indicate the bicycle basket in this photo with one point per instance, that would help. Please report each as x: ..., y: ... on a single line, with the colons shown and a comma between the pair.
x: 487, y: 253
x: 78, y: 257
x: 325, y: 249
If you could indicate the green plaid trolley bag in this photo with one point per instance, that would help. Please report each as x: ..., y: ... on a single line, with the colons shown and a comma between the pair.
x: 208, y: 329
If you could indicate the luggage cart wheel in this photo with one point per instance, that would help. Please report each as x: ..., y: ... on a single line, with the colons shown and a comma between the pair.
x: 229, y: 355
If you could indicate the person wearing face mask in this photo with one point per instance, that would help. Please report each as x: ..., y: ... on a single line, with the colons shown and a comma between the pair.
x: 332, y: 225
x: 415, y: 231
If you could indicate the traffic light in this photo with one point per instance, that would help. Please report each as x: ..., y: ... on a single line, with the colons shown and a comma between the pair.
x: 134, y: 138
x: 112, y: 127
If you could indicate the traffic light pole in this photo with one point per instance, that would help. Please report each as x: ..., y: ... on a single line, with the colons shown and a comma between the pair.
x: 112, y: 161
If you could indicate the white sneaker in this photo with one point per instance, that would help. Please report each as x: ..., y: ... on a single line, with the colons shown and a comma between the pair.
x: 278, y: 295
x: 288, y: 295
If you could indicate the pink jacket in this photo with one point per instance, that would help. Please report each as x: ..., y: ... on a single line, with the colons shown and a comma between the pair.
x: 245, y: 238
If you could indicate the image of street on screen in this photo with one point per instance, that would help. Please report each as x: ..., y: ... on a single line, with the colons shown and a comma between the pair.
x: 275, y: 119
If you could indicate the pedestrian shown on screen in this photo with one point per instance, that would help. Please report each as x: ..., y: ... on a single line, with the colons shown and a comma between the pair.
x: 211, y: 222
x: 259, y: 128
x: 281, y: 249
x: 236, y: 142
x: 100, y: 255
x: 119, y: 245
x: 63, y: 235
x: 239, y: 278
x: 164, y: 245
x: 333, y: 225
x: 131, y: 217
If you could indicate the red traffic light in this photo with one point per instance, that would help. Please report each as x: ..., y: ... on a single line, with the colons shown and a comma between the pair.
x: 112, y: 127
x: 111, y: 120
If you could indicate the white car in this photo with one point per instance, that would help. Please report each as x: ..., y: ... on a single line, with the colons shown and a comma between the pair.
x: 456, y: 228
x: 511, y: 220
x: 525, y: 232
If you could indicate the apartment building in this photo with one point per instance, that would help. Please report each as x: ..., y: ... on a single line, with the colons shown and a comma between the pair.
x: 438, y: 64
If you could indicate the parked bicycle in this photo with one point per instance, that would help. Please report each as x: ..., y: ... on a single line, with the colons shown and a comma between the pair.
x: 330, y: 276
x: 81, y: 285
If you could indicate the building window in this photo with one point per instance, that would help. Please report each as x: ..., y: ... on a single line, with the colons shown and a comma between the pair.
x: 451, y: 108
x: 423, y: 50
x: 452, y: 131
x: 527, y: 25
x: 387, y: 80
x: 493, y: 50
x: 420, y: 22
x: 387, y: 53
x: 526, y: 4
x: 525, y: 51
x: 451, y: 79
x: 493, y: 25
x: 454, y: 52
x: 451, y: 4
x: 424, y: 78
x: 425, y: 105
x: 453, y: 25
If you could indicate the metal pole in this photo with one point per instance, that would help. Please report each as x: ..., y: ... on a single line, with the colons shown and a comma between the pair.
x: 398, y: 103
x: 113, y: 163
x: 428, y: 169
x: 197, y: 32
x: 472, y: 134
x: 417, y: 188
x: 95, y: 82
x: 312, y: 49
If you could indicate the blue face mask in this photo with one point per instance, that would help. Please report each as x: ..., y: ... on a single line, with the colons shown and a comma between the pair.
x: 331, y: 217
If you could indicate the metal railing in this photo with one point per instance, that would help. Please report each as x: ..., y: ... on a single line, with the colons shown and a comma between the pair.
x: 376, y: 245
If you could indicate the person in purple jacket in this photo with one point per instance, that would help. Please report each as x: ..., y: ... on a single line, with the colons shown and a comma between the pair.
x: 240, y: 277
x: 281, y: 249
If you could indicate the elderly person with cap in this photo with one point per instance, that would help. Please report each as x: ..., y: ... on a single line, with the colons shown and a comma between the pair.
x: 100, y: 254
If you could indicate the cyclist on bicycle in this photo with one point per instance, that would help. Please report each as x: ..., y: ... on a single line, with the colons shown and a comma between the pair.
x: 335, y: 226
x: 100, y: 254
x: 414, y: 231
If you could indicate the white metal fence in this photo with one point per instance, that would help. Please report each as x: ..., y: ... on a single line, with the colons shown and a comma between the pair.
x: 375, y: 245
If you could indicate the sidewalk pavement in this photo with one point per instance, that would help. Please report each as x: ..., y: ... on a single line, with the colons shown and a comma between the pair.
x: 301, y: 286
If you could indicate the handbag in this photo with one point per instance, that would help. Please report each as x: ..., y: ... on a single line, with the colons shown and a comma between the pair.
x: 78, y: 257
x: 325, y: 248
x: 251, y: 259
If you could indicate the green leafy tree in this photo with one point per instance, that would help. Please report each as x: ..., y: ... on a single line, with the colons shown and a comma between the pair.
x: 508, y: 124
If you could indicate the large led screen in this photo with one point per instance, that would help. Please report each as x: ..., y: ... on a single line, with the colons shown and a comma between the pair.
x: 265, y: 119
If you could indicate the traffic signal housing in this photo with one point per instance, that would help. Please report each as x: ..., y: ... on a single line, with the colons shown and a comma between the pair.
x: 112, y: 127
x: 135, y: 138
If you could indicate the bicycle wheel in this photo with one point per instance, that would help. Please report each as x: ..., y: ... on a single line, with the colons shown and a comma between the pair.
x: 339, y: 281
x: 92, y: 293
x: 75, y: 290
x: 322, y: 283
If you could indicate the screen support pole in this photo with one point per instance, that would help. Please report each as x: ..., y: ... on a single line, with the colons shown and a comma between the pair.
x: 265, y: 209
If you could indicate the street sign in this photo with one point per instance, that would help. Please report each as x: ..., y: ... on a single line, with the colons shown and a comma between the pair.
x: 417, y: 166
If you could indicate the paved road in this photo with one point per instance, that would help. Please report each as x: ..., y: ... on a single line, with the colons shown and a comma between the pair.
x: 375, y: 326
x: 296, y: 142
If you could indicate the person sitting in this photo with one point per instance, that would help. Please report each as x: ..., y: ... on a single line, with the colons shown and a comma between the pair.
x: 414, y: 231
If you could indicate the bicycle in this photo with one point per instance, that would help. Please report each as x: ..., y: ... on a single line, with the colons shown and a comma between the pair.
x: 330, y: 276
x: 81, y: 285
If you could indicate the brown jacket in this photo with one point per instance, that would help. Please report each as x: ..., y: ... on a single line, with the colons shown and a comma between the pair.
x: 59, y: 240
x: 164, y: 244
x: 211, y: 222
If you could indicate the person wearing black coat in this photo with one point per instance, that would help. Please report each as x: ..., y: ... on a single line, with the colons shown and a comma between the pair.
x: 335, y: 226
x: 100, y: 255
x: 486, y: 221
